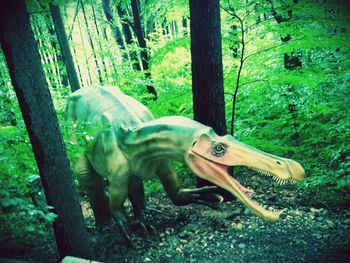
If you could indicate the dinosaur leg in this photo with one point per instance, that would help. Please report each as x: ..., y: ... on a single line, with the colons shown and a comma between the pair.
x: 92, y: 183
x: 139, y: 205
x: 137, y: 195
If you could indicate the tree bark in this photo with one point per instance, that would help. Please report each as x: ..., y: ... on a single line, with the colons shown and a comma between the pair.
x: 207, y: 74
x: 64, y: 47
x: 142, y: 44
x: 34, y: 98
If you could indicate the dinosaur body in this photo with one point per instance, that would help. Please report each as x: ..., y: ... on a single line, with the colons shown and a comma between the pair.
x: 135, y: 146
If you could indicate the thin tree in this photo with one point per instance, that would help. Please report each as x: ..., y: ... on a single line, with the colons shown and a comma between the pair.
x: 36, y: 105
x: 207, y: 74
x: 91, y: 42
x: 99, y: 37
x: 62, y: 72
x: 44, y: 51
x: 64, y: 47
x: 106, y: 6
x: 142, y: 44
x: 127, y: 24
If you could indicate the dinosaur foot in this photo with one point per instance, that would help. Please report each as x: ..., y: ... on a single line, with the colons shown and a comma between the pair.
x: 140, y: 225
x: 204, y: 196
x: 136, y: 226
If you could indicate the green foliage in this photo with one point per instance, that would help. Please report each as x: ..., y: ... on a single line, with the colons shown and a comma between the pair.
x: 301, y: 114
x: 19, y: 218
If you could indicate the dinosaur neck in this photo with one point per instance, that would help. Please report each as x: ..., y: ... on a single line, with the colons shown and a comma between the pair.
x: 164, y: 138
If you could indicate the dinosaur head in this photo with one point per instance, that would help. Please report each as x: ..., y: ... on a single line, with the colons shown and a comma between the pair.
x: 210, y: 157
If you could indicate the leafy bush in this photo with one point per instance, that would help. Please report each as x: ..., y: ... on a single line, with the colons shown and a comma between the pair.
x: 19, y: 217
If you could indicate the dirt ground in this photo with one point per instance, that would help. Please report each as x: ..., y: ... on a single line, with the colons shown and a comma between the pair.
x: 197, y: 233
x: 232, y: 233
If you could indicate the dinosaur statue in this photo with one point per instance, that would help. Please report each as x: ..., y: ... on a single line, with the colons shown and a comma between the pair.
x: 134, y: 146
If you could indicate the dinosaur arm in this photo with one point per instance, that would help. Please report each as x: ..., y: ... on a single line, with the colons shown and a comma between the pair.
x: 182, y: 196
x: 168, y: 178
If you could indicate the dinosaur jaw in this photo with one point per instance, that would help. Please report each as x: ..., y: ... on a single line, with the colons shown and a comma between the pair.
x: 218, y: 174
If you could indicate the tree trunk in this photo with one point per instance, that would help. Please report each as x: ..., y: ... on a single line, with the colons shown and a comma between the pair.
x: 85, y: 55
x: 207, y: 75
x: 126, y: 27
x: 99, y: 73
x: 142, y: 45
x: 54, y: 43
x: 64, y: 47
x: 99, y: 36
x: 34, y: 98
x: 43, y: 50
x: 114, y: 27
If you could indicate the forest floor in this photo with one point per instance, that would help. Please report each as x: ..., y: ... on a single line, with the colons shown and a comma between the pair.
x: 197, y: 233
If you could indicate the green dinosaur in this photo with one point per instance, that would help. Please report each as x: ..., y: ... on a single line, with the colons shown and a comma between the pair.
x: 134, y: 146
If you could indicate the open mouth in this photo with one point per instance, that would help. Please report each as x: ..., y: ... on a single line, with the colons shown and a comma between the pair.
x: 218, y: 174
x: 249, y: 192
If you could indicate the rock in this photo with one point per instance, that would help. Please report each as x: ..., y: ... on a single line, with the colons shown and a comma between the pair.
x: 190, y: 227
x: 236, y: 212
x: 318, y: 236
x: 183, y: 241
x: 239, y: 226
x: 179, y: 250
x: 68, y: 259
x: 183, y: 234
x: 242, y: 246
x: 314, y: 210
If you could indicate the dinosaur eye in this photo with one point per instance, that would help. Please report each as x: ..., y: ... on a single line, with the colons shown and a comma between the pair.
x: 218, y: 149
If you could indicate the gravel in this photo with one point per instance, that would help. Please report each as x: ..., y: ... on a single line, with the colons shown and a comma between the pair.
x: 233, y: 234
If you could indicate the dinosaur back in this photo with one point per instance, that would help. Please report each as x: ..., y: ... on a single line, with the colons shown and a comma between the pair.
x: 106, y: 105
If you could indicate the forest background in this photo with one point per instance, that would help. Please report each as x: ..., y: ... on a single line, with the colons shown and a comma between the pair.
x: 286, y: 64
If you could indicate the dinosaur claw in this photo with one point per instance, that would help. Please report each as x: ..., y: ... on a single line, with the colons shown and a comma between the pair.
x: 141, y: 225
x: 125, y: 232
x: 150, y: 208
x: 152, y: 229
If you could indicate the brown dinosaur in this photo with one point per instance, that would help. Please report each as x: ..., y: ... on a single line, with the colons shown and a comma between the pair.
x: 134, y: 146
